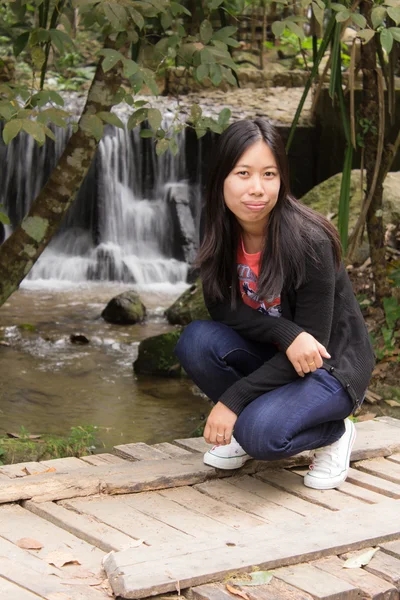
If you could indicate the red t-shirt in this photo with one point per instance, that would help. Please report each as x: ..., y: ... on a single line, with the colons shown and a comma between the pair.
x: 248, y: 268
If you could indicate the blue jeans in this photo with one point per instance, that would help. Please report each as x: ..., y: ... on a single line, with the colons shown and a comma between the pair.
x: 305, y: 414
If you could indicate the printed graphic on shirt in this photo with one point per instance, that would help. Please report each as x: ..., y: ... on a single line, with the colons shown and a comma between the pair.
x: 248, y: 289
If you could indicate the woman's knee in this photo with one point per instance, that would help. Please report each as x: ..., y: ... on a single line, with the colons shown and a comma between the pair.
x: 262, y: 440
x: 194, y: 341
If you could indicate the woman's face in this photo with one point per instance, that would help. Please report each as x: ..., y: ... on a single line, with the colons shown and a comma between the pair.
x: 252, y: 187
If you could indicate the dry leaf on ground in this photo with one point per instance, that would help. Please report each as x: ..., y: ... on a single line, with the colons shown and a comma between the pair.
x: 29, y: 544
x: 59, y: 558
x: 395, y: 403
x: 356, y: 562
x: 254, y: 578
x: 236, y: 591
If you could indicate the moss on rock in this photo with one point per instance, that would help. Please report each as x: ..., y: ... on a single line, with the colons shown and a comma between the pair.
x: 125, y: 309
x: 188, y: 307
x: 156, y: 356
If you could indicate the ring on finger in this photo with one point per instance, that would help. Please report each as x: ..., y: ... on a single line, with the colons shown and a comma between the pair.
x: 311, y: 363
x: 220, y: 435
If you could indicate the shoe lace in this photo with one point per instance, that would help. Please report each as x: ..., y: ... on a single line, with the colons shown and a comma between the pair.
x: 325, y: 457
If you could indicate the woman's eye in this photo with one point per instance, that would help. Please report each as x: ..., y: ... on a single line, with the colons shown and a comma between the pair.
x: 269, y: 173
x: 243, y: 172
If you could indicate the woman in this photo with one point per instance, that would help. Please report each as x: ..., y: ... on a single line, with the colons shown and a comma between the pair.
x: 280, y: 299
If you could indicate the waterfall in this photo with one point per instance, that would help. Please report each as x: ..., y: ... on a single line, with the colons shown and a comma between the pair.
x: 122, y: 226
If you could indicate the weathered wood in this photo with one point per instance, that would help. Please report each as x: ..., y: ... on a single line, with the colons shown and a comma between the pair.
x: 100, y: 460
x: 85, y: 527
x: 116, y: 513
x: 197, y: 444
x: 267, y: 547
x: 179, y: 517
x: 388, y: 421
x: 26, y: 560
x: 353, y: 490
x: 64, y: 465
x: 394, y: 458
x: 373, y: 587
x: 205, y: 505
x: 381, y: 468
x: 17, y: 523
x: 226, y: 492
x: 321, y: 586
x: 293, y: 483
x: 23, y: 469
x: 375, y: 438
x: 139, y: 451
x: 385, y: 566
x: 376, y: 484
x: 275, y: 590
x: 171, y: 449
x: 392, y: 548
x: 12, y: 591
x: 273, y: 494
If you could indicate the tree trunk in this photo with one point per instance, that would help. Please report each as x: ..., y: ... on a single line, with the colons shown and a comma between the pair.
x: 370, y: 111
x: 21, y: 250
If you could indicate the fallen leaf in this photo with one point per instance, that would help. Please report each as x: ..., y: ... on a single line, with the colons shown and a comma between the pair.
x: 356, y: 562
x: 254, y: 578
x: 366, y: 416
x: 18, y: 436
x: 236, y: 592
x: 132, y: 544
x: 59, y: 558
x: 92, y: 581
x: 393, y: 403
x: 29, y: 544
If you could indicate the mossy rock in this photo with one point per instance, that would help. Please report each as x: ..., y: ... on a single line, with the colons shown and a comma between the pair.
x: 125, y: 309
x: 156, y: 356
x: 188, y: 307
x: 324, y: 198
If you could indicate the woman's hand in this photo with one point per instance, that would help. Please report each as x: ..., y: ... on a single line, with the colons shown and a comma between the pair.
x: 306, y: 354
x: 219, y: 426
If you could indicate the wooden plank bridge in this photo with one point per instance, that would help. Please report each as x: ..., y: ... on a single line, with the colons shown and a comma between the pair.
x: 151, y: 520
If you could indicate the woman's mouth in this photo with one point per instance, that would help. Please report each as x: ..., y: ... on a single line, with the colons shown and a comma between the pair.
x: 255, y: 206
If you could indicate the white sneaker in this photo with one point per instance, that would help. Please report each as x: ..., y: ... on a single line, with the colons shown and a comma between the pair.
x: 331, y: 463
x: 231, y: 456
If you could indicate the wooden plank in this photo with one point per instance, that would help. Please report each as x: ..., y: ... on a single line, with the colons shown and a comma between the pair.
x: 375, y: 438
x: 394, y: 458
x: 255, y: 505
x: 268, y: 547
x: 353, y: 490
x: 86, y: 528
x: 205, y: 505
x: 385, y: 566
x: 320, y: 585
x: 376, y: 484
x: 17, y: 523
x: 116, y: 513
x: 23, y: 469
x: 275, y: 590
x: 26, y: 560
x: 179, y: 517
x: 171, y: 449
x: 381, y: 468
x: 139, y: 451
x: 197, y: 444
x: 372, y: 587
x: 392, y: 548
x: 12, y: 591
x: 102, y: 459
x: 273, y: 494
x: 293, y: 483
x: 388, y: 421
x: 64, y: 465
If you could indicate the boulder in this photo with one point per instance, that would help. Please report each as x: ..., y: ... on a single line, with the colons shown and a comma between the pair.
x: 125, y: 309
x: 156, y: 356
x: 188, y: 307
x: 324, y: 198
x: 183, y: 226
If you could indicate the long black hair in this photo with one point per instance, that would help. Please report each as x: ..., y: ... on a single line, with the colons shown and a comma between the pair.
x: 291, y: 229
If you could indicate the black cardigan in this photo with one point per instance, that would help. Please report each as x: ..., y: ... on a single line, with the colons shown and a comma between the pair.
x: 325, y: 307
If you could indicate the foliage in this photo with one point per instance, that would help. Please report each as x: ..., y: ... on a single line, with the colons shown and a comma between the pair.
x: 387, y: 342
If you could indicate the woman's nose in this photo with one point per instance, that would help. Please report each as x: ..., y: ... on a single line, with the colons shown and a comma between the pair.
x: 256, y: 186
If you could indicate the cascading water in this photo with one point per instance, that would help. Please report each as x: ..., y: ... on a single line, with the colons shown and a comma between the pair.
x: 124, y: 225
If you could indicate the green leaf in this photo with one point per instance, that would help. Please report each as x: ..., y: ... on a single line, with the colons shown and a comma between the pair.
x: 56, y: 116
x: 343, y: 15
x: 140, y: 103
x: 278, y: 27
x: 111, y: 57
x: 196, y: 112
x: 395, y: 31
x: 38, y: 57
x: 166, y: 21
x: 56, y: 98
x: 162, y: 146
x: 130, y: 67
x: 202, y: 72
x: 254, y: 578
x: 224, y: 116
x: 92, y: 125
x: 200, y: 132
x: 137, y: 18
x: 228, y: 75
x: 366, y: 35
x: 4, y: 219
x: 137, y: 82
x: 224, y: 33
x: 116, y: 15
x: 359, y: 20
x: 178, y: 9
x: 11, y: 129
x: 336, y: 6
x: 208, y: 55
x: 49, y: 133
x: 394, y: 13
x: 215, y: 74
x: 111, y: 119
x: 148, y: 77
x: 318, y: 13
x: 154, y: 118
x: 296, y: 29
x: 20, y: 43
x: 59, y: 38
x: 206, y: 31
x: 137, y: 117
x: 173, y: 146
x: 377, y: 16
x: 146, y: 133
x: 386, y: 39
x: 36, y: 130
